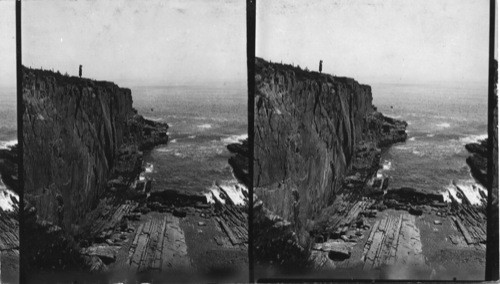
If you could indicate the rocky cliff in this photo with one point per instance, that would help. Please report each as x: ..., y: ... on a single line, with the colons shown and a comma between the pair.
x: 310, y: 129
x: 240, y: 161
x: 8, y: 167
x: 9, y: 220
x: 77, y: 134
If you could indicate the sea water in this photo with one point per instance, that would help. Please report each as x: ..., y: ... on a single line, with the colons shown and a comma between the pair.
x: 203, y: 120
x: 441, y: 118
x: 8, y: 136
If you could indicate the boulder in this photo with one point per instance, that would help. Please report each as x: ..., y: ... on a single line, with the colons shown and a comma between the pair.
x: 106, y: 253
x: 336, y: 250
x: 179, y: 213
x: 417, y: 211
x: 414, y: 196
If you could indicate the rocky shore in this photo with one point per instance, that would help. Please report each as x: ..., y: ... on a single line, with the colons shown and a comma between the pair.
x: 478, y: 161
x: 9, y: 220
x: 240, y: 162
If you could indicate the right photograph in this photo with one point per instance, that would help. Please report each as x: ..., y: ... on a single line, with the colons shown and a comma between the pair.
x: 370, y: 139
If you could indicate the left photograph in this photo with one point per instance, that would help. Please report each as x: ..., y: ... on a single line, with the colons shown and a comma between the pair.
x: 9, y: 195
x: 135, y: 141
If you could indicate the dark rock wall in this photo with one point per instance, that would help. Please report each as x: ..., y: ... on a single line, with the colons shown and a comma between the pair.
x: 239, y: 162
x: 307, y: 126
x: 492, y: 250
x: 72, y: 131
x: 9, y: 168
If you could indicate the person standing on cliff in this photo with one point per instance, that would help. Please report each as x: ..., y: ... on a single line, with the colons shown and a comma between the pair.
x: 320, y: 66
x: 80, y: 71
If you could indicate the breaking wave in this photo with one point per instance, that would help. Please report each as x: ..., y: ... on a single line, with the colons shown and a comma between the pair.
x: 205, y: 126
x: 473, y: 138
x: 7, y: 144
x: 234, y: 138
x: 443, y: 125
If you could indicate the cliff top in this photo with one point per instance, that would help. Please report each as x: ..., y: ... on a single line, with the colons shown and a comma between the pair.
x: 305, y: 74
x: 66, y: 79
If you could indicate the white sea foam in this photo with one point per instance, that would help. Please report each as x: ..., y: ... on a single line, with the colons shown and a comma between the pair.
x: 149, y: 168
x: 214, y: 193
x: 473, y: 138
x: 205, y: 126
x: 233, y: 189
x: 178, y: 154
x: 209, y: 196
x: 446, y: 196
x: 153, y: 118
x: 142, y: 177
x: 470, y: 189
x: 235, y: 192
x: 443, y: 125
x: 5, y: 198
x: 386, y: 165
x: 418, y: 153
x: 452, y: 193
x: 412, y: 138
x: 234, y: 138
x: 173, y: 141
x: 402, y: 147
x: 7, y: 144
x: 164, y: 150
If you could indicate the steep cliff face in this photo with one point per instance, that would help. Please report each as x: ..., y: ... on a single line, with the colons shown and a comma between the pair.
x: 307, y: 129
x: 74, y: 134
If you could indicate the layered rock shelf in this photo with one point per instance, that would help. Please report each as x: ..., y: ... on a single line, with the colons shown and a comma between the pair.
x: 148, y: 229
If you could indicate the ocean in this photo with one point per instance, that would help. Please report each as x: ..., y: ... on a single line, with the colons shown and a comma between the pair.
x: 203, y: 121
x: 441, y: 120
x: 8, y: 135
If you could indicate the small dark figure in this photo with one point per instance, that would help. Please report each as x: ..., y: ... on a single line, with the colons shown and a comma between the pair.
x: 80, y: 71
x: 320, y: 66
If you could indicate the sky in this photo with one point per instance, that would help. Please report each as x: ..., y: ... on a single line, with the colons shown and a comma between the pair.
x: 387, y: 41
x: 138, y: 43
x: 7, y: 44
